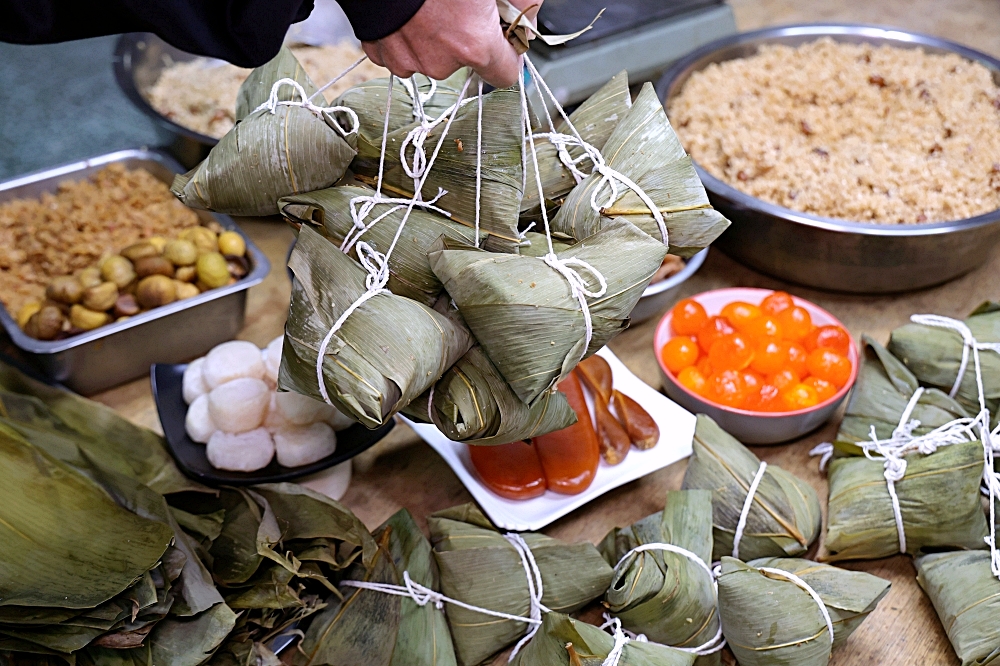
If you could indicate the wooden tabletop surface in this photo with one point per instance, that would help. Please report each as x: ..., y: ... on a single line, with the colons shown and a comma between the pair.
x: 401, y: 471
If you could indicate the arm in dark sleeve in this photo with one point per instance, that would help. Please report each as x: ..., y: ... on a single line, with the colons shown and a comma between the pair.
x: 375, y: 19
x: 247, y: 33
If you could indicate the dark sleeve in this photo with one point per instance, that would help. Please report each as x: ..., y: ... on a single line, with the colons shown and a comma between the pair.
x: 247, y: 33
x: 375, y: 19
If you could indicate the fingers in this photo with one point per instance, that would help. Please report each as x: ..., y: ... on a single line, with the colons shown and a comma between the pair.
x: 394, y: 54
x: 498, y: 64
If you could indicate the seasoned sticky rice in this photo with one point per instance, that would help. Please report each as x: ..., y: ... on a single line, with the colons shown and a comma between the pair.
x: 200, y: 94
x: 852, y: 131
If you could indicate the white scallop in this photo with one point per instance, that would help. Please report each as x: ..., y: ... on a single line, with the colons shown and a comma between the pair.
x: 274, y: 418
x: 301, y: 445
x: 194, y: 382
x: 239, y: 405
x: 272, y: 360
x: 332, y: 482
x: 243, y: 452
x: 198, y: 423
x: 300, y: 409
x: 232, y: 360
x: 338, y: 420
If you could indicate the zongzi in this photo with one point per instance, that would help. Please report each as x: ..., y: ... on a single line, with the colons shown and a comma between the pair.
x: 482, y: 567
x: 645, y: 149
x: 256, y: 89
x: 784, y: 515
x: 939, y: 504
x: 410, y: 273
x: 563, y: 641
x: 966, y: 596
x: 503, y: 296
x: 663, y: 594
x: 770, y: 618
x: 371, y: 369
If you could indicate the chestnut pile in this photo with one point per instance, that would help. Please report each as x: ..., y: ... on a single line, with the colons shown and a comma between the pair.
x: 146, y: 275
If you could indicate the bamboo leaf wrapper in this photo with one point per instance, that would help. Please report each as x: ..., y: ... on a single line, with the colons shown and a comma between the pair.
x: 256, y: 89
x: 784, y: 517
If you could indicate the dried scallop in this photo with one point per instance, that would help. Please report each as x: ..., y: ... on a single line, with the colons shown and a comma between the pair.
x: 242, y: 452
x: 301, y: 445
x: 332, y: 482
x: 239, y: 405
x: 194, y: 381
x: 232, y: 360
x: 198, y: 423
x: 272, y: 359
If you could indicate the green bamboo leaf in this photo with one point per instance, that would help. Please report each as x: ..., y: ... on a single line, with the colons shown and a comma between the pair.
x: 645, y: 148
x: 502, y: 296
x: 371, y: 369
x: 784, y: 517
x: 966, y: 596
x: 661, y: 594
x: 256, y: 89
x: 480, y: 567
x: 769, y: 620
x: 938, y: 498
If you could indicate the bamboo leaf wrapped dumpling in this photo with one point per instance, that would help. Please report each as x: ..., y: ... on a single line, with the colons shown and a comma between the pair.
x: 473, y: 403
x: 256, y: 89
x: 934, y: 355
x: 410, y: 274
x: 376, y: 629
x: 769, y: 619
x: 371, y: 371
x: 286, y: 148
x: 563, y: 641
x: 501, y: 296
x: 938, y: 499
x: 881, y: 395
x: 662, y: 594
x: 966, y: 596
x: 479, y: 566
x: 784, y: 516
x: 645, y: 149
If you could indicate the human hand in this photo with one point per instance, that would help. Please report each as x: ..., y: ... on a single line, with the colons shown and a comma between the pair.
x: 446, y: 35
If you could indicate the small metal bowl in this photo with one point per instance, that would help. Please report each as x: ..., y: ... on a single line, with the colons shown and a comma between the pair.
x: 746, y: 426
x: 828, y: 253
x: 660, y: 295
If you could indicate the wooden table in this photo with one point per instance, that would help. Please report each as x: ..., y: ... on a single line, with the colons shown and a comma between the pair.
x: 402, y: 471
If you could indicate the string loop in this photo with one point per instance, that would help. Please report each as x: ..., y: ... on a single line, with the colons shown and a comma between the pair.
x: 745, y: 513
x: 273, y: 103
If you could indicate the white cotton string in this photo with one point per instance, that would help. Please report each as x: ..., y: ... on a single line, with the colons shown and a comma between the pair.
x: 621, y: 640
x: 418, y: 135
x: 339, y: 77
x: 811, y: 592
x: 273, y: 103
x: 534, y: 576
x: 479, y: 160
x: 376, y: 263
x: 742, y: 524
x: 825, y: 451
x: 577, y: 284
x: 717, y: 642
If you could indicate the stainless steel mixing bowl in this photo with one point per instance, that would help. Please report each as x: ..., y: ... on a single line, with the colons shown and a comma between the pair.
x: 823, y: 252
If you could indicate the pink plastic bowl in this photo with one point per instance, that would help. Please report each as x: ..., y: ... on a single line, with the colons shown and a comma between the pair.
x: 746, y: 426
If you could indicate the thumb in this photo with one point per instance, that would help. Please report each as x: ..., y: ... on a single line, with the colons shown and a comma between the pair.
x: 500, y: 62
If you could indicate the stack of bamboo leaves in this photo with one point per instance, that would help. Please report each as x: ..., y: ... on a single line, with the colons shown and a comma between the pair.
x: 471, y: 314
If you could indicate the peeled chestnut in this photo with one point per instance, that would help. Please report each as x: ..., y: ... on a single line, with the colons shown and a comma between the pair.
x: 157, y: 265
x: 102, y: 297
x: 66, y: 289
x: 155, y: 290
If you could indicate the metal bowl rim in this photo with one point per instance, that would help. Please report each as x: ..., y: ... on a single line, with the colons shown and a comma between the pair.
x: 124, y: 49
x: 684, y: 67
x: 261, y: 264
x: 681, y: 276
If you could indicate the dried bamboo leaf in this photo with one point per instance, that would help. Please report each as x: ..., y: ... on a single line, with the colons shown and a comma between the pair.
x: 535, y: 245
x: 559, y: 634
x: 661, y: 594
x: 966, y: 596
x: 938, y: 498
x: 645, y: 148
x: 768, y: 619
x: 784, y: 517
x: 480, y: 567
x: 502, y: 296
x: 934, y: 355
x: 880, y: 396
x: 69, y: 567
x: 410, y: 274
x: 371, y: 370
x: 256, y: 89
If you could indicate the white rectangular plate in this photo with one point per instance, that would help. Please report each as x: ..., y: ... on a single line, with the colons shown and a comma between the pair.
x: 676, y: 432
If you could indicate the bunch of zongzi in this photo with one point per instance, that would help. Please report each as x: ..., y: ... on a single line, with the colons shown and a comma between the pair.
x: 784, y: 515
x: 377, y: 629
x: 281, y: 149
x: 563, y: 641
x: 769, y: 619
x: 966, y: 596
x: 480, y: 567
x: 665, y: 595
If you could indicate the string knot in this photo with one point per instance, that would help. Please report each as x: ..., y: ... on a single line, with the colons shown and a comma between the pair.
x: 578, y: 286
x: 325, y: 112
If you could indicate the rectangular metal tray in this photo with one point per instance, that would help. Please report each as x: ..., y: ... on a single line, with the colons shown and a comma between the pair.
x: 96, y: 360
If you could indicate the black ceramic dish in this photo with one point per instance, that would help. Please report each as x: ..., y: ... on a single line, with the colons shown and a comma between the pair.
x: 190, y: 456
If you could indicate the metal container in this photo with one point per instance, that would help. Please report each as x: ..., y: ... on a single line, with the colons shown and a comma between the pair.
x: 827, y: 253
x: 110, y: 355
x: 659, y: 296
